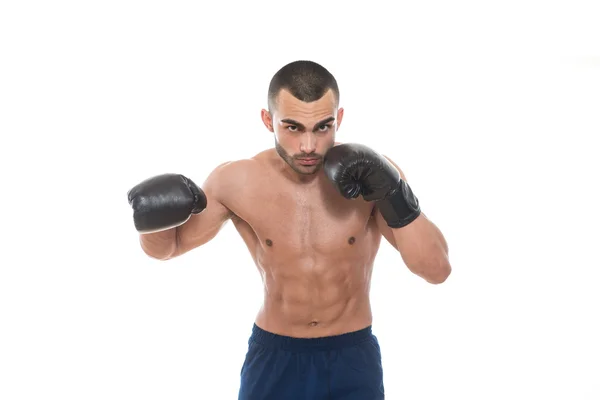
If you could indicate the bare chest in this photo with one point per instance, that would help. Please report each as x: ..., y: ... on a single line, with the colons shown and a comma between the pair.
x: 297, y: 220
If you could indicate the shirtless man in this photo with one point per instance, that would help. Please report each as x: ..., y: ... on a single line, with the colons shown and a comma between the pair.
x: 312, y: 213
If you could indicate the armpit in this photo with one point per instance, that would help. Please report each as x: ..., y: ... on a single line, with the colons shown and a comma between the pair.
x: 234, y: 217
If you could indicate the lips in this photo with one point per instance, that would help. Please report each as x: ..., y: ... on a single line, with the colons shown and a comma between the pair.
x: 308, y: 161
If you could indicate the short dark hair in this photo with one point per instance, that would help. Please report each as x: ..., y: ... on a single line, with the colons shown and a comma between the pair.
x: 305, y: 80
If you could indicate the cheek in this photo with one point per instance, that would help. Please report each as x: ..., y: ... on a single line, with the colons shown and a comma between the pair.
x: 277, y: 134
x: 325, y: 143
x: 284, y: 139
x: 281, y: 136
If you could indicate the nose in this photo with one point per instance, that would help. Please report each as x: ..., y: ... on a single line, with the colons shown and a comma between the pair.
x: 308, y: 144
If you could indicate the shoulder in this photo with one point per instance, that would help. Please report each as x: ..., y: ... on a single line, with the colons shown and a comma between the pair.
x: 397, y: 167
x: 230, y: 172
x: 236, y: 173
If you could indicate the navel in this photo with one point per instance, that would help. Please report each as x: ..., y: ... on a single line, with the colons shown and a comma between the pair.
x: 314, y: 323
x: 351, y: 240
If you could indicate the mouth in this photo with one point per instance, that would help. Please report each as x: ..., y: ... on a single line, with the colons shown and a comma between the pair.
x: 308, y: 161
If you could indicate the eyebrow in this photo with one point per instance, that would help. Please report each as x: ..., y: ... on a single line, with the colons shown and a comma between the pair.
x: 301, y: 126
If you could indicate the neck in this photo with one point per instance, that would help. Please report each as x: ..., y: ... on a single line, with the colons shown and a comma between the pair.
x: 296, y: 177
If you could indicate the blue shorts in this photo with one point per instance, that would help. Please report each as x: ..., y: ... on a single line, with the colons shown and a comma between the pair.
x: 346, y: 366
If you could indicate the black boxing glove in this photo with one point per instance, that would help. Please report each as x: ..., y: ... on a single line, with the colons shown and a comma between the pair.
x: 165, y: 201
x: 357, y: 170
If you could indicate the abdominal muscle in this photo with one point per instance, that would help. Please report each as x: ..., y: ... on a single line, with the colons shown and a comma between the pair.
x: 314, y: 299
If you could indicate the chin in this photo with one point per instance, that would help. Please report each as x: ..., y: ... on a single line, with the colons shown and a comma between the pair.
x: 308, y: 170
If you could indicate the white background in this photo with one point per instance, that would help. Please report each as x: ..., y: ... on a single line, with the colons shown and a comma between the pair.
x: 489, y: 108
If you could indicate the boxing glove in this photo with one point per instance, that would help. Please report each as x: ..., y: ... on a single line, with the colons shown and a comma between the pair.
x: 356, y: 170
x: 165, y: 201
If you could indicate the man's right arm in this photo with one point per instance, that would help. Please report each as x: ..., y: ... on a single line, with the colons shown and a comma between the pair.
x: 203, y: 227
x: 200, y: 214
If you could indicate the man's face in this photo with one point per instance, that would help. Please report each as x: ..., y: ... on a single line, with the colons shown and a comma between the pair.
x: 304, y: 132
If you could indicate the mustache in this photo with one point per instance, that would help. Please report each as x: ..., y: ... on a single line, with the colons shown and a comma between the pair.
x: 311, y: 156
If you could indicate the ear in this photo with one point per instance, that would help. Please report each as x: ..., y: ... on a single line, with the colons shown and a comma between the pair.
x: 267, y: 119
x: 340, y: 116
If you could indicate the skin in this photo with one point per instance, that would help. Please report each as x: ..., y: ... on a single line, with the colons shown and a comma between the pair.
x: 313, y: 248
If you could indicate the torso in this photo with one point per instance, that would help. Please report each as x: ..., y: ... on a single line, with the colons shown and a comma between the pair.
x: 313, y: 248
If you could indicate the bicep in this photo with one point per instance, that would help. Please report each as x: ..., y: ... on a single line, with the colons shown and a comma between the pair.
x: 203, y: 227
x: 385, y: 230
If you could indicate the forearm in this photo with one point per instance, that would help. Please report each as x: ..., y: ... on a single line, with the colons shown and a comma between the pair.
x: 421, y: 244
x: 424, y: 249
x: 160, y: 245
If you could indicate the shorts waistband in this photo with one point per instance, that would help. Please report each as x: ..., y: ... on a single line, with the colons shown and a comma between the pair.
x: 273, y: 340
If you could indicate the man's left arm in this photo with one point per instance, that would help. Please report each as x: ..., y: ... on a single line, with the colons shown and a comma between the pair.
x: 420, y: 243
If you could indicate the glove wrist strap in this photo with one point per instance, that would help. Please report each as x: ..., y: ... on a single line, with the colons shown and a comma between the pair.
x: 400, y: 207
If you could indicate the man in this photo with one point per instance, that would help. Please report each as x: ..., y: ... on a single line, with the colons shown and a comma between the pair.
x: 312, y: 213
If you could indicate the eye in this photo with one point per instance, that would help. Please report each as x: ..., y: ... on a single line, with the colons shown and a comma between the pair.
x: 324, y: 128
x: 292, y: 128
